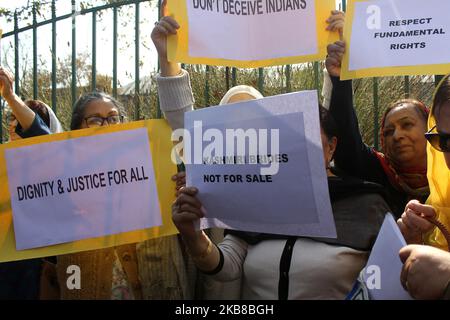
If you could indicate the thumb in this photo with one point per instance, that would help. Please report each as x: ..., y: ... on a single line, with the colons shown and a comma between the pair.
x: 427, y: 210
x: 405, y: 252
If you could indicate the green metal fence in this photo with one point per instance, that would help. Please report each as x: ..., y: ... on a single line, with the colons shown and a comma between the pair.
x: 73, y: 16
x: 231, y: 74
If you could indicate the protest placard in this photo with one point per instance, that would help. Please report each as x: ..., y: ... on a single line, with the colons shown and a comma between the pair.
x: 93, y: 189
x: 259, y: 166
x: 396, y: 37
x: 382, y: 273
x: 250, y: 33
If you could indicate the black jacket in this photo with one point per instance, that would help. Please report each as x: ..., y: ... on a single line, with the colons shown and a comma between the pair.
x: 352, y: 155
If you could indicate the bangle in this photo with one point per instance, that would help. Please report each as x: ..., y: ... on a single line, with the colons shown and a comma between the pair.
x: 205, y: 253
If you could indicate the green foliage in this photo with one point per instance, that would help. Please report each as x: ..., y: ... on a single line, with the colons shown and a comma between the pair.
x: 209, y: 85
x: 208, y: 93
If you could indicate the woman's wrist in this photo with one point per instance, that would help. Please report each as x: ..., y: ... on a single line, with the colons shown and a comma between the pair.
x: 205, y: 254
x: 169, y: 69
x: 10, y: 97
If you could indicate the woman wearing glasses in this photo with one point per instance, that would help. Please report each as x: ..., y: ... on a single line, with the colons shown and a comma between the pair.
x: 426, y: 270
x: 146, y: 270
x: 96, y: 109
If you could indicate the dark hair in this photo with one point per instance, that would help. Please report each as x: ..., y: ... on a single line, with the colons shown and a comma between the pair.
x: 82, y: 102
x: 40, y: 109
x: 420, y: 107
x: 442, y: 95
x: 327, y: 123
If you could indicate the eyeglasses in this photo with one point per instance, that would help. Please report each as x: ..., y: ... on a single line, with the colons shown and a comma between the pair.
x: 96, y: 121
x: 11, y: 118
x: 439, y: 141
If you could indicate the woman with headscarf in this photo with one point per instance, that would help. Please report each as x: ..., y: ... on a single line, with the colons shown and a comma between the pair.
x: 21, y: 279
x: 44, y: 112
x: 176, y: 98
x: 426, y: 270
x: 145, y: 270
x: 30, y: 123
x: 289, y: 267
x: 402, y: 166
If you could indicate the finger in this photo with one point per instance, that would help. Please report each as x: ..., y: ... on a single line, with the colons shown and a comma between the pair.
x: 189, y: 190
x: 179, y: 175
x: 336, y: 47
x: 158, y: 30
x: 336, y: 13
x: 165, y: 28
x: 403, y: 229
x: 181, y: 180
x: 420, y: 223
x: 336, y: 18
x: 404, y: 276
x: 337, y: 55
x: 188, y: 199
x: 407, y: 221
x: 190, y: 208
x: 406, y: 252
x: 334, y: 26
x: 184, y: 217
x: 180, y: 185
x: 171, y: 21
x: 332, y: 61
x: 426, y: 210
x: 341, y: 45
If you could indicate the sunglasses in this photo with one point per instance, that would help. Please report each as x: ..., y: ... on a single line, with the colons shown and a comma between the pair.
x: 439, y: 141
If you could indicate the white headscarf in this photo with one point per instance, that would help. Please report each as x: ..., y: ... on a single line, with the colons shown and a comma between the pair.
x: 238, y: 90
x: 55, y: 125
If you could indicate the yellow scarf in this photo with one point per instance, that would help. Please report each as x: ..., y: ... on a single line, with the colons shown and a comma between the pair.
x: 439, y: 180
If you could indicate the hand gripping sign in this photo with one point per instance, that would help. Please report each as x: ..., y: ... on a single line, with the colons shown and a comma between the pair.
x: 91, y: 189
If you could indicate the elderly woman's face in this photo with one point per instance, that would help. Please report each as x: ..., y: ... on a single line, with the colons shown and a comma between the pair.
x: 12, y: 124
x: 443, y: 125
x: 404, y: 140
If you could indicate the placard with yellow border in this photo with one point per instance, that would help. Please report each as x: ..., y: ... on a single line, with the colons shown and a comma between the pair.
x: 347, y: 74
x: 178, y: 45
x: 159, y: 134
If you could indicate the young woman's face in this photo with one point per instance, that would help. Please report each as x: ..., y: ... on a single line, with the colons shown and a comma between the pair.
x: 12, y: 124
x: 100, y: 112
x: 443, y: 125
x: 404, y: 140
